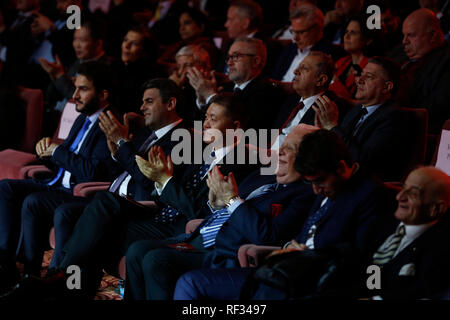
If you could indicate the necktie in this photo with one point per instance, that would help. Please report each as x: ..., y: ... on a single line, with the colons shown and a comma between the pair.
x: 72, y: 148
x: 263, y: 190
x: 292, y: 115
x: 237, y: 91
x: 358, y: 121
x: 313, y: 220
x: 211, y: 228
x: 120, y: 179
x: 386, y: 252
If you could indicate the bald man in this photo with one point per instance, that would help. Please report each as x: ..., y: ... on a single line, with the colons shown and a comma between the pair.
x: 415, y: 259
x: 427, y: 72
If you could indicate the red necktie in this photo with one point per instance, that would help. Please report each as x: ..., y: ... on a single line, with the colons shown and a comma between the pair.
x: 292, y: 114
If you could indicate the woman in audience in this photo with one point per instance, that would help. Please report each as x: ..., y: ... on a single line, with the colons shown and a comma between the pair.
x: 193, y: 31
x: 359, y: 43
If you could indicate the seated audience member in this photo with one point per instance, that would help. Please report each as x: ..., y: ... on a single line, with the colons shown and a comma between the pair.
x: 189, y: 57
x: 193, y: 30
x: 348, y: 209
x: 359, y: 43
x: 88, y: 45
x: 82, y: 157
x: 246, y: 60
x: 237, y: 216
x: 312, y: 78
x: 307, y: 26
x: 110, y: 223
x: 376, y: 132
x: 336, y: 20
x: 244, y: 18
x: 136, y: 65
x: 426, y: 74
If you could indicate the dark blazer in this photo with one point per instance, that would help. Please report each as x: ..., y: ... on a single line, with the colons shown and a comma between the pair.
x: 383, y: 143
x: 289, y: 53
x: 428, y: 257
x: 140, y: 187
x: 192, y: 203
x: 261, y: 99
x: 93, y: 161
x: 354, y: 214
x: 271, y: 219
x: 308, y: 118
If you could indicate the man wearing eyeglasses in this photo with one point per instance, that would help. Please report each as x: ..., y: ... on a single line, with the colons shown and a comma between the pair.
x: 246, y: 60
x: 307, y: 23
x: 376, y: 131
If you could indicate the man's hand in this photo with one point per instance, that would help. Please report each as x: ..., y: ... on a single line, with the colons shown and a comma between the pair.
x: 158, y: 168
x: 112, y: 128
x: 293, y: 246
x: 222, y: 188
x: 54, y: 70
x: 45, y: 147
x: 327, y: 113
x: 40, y: 24
x: 204, y: 85
x: 333, y: 16
x: 178, y: 77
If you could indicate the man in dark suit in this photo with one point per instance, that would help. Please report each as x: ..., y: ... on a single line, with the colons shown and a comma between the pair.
x: 246, y: 60
x: 415, y: 256
x: 348, y: 209
x: 82, y: 157
x: 271, y: 212
x: 307, y: 25
x: 312, y: 78
x: 375, y: 132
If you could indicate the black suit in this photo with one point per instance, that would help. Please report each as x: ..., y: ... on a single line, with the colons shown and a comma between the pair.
x: 383, y: 143
x: 91, y: 163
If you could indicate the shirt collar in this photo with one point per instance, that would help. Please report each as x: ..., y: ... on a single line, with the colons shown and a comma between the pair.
x: 93, y: 117
x: 414, y: 231
x: 242, y: 85
x: 162, y: 131
x: 308, y: 102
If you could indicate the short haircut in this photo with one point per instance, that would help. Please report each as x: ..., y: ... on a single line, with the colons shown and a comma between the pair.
x: 251, y: 10
x: 390, y: 68
x: 96, y: 27
x: 234, y: 106
x: 321, y: 151
x: 99, y: 73
x: 199, y: 17
x: 167, y: 89
x: 325, y: 65
x: 259, y: 47
x: 199, y: 54
x: 148, y: 42
x: 312, y: 14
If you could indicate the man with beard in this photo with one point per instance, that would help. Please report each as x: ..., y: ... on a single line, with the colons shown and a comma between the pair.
x: 82, y: 157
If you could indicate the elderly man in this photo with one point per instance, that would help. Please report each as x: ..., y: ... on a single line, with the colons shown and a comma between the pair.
x: 375, y: 131
x: 260, y: 212
x: 427, y: 73
x: 246, y: 60
x: 312, y: 78
x: 416, y: 257
x: 307, y: 23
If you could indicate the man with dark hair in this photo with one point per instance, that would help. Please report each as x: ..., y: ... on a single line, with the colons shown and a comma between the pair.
x: 82, y: 157
x: 376, y: 131
x: 347, y: 211
x: 312, y: 78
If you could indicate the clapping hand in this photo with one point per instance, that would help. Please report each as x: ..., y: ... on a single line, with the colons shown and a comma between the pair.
x: 327, y: 113
x: 221, y: 188
x: 158, y: 167
x: 204, y: 84
x: 114, y: 130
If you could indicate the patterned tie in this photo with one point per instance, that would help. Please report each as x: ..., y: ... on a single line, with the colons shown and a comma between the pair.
x: 358, y: 121
x: 386, y: 252
x: 292, y: 114
x: 211, y: 228
x: 72, y: 148
x: 313, y: 220
x: 115, y: 186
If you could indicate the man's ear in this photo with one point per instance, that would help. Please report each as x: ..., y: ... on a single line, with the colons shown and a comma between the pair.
x: 389, y: 85
x: 321, y: 80
x: 171, y: 104
x: 237, y: 124
x: 438, y: 209
x: 103, y: 95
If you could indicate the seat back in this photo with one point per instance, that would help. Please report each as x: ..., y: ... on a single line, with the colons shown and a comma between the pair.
x: 441, y: 158
x: 34, y: 99
x: 66, y: 121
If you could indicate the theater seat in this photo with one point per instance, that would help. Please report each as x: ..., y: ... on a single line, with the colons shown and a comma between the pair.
x: 34, y: 112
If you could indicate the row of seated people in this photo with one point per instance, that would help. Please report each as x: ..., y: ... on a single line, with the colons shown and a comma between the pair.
x: 93, y: 233
x: 424, y: 58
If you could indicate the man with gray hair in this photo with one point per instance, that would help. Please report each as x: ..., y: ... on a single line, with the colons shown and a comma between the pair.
x: 246, y: 60
x: 307, y: 24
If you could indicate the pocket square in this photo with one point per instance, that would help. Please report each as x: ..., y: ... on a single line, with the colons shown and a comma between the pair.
x: 408, y: 270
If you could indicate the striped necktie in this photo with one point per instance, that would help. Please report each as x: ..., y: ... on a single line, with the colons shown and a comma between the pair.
x: 72, y: 148
x: 387, y: 251
x: 313, y: 219
x: 211, y: 228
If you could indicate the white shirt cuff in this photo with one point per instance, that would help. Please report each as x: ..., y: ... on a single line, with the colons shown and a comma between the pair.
x: 160, y: 190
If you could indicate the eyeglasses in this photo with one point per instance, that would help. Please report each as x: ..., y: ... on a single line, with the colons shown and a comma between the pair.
x: 236, y: 56
x: 301, y: 32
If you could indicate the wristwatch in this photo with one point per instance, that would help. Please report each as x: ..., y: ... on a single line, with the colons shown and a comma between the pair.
x: 232, y: 200
x: 121, y: 142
